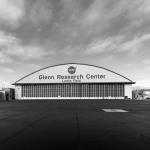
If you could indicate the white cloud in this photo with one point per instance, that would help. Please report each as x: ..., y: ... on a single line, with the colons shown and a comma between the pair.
x: 92, y: 14
x: 4, y: 58
x: 148, y: 68
x: 97, y: 47
x: 95, y: 15
x: 7, y: 70
x: 25, y: 52
x: 41, y: 12
x: 11, y: 12
x: 142, y: 8
x: 102, y: 14
x: 143, y: 83
x: 146, y: 62
x: 105, y: 16
x: 35, y: 66
x: 106, y: 45
x: 116, y: 44
x: 5, y: 84
x: 136, y: 44
x: 6, y: 39
x: 11, y: 47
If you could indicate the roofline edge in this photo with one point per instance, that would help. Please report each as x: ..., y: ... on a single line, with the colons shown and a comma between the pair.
x: 71, y: 63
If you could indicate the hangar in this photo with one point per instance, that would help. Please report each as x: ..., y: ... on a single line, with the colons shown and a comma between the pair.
x: 73, y: 81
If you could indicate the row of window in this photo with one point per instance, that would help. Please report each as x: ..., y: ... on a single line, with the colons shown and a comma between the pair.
x: 73, y: 90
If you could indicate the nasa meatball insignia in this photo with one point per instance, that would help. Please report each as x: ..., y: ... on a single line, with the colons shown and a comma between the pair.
x: 72, y: 70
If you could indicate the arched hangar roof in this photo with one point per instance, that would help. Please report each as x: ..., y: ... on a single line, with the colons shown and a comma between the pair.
x: 77, y: 72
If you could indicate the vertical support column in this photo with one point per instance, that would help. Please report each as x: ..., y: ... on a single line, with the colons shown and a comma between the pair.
x: 18, y: 92
x: 128, y: 90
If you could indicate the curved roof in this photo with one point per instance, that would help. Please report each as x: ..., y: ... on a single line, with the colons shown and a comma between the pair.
x: 58, y: 69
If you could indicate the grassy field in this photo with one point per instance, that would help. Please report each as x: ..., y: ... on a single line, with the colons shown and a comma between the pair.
x: 74, y: 124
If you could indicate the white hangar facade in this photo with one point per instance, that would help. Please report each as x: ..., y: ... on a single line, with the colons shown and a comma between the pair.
x: 74, y: 81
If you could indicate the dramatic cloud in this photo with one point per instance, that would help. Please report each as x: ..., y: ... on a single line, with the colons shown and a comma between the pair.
x: 11, y: 12
x: 11, y: 47
x: 103, y: 46
x: 117, y: 44
x: 40, y: 12
x: 4, y: 58
x: 137, y: 44
x: 114, y: 33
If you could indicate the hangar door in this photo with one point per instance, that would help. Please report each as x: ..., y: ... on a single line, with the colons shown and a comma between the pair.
x: 73, y: 90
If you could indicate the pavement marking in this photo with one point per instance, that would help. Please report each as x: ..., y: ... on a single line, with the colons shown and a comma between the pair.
x: 78, y: 127
x: 114, y: 110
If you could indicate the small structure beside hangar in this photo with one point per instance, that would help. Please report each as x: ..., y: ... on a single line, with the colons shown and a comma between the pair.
x: 7, y: 94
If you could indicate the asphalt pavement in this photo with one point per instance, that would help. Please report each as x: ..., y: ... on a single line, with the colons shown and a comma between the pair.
x: 74, y: 125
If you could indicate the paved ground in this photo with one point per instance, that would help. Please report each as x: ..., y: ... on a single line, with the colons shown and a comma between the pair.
x: 74, y: 124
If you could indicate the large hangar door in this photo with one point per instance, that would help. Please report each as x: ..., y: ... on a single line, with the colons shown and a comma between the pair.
x: 74, y: 90
x: 89, y: 90
x: 85, y: 90
x: 68, y: 90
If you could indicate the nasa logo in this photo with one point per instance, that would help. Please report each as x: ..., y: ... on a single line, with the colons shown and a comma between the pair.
x: 71, y: 70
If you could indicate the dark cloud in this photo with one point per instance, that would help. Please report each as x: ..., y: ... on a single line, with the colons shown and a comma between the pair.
x: 56, y: 31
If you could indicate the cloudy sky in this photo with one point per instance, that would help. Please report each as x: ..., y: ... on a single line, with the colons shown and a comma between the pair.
x: 114, y: 34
